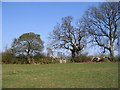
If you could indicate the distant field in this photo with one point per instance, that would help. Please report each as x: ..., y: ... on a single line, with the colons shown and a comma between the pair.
x: 89, y: 75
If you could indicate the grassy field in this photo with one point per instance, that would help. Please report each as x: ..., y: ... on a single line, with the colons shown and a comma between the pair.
x: 89, y: 75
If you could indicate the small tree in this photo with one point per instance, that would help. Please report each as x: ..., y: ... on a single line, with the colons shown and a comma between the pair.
x: 28, y: 44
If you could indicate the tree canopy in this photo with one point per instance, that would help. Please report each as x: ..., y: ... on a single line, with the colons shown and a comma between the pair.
x: 28, y: 44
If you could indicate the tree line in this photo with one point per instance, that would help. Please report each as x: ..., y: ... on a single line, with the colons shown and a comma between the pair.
x: 99, y: 26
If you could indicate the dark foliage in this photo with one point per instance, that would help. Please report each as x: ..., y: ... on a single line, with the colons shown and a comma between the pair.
x: 82, y: 58
x: 8, y: 58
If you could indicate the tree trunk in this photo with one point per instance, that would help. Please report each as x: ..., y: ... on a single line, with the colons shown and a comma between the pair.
x: 73, y: 55
x: 111, y: 51
x: 28, y: 58
x: 111, y: 55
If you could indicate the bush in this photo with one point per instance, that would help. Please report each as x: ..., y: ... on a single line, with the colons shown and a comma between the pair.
x: 8, y: 58
x: 42, y: 59
x: 116, y: 59
x: 82, y: 58
x: 22, y: 59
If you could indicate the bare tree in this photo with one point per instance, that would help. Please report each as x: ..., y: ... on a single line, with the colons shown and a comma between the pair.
x: 66, y: 36
x: 102, y: 23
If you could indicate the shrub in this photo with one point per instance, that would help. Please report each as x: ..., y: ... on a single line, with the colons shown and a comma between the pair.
x: 116, y: 59
x: 8, y: 58
x: 42, y: 59
x: 22, y: 59
x: 82, y: 58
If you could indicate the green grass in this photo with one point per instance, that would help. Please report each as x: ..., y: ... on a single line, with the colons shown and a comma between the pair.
x: 102, y: 75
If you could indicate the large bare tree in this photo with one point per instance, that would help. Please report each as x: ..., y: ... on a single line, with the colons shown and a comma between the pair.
x: 65, y: 35
x: 102, y: 23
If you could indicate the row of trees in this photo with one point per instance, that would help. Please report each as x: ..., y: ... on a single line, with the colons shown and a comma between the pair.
x: 99, y: 26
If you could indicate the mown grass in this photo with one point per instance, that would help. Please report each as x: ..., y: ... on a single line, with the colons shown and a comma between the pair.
x: 102, y: 75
